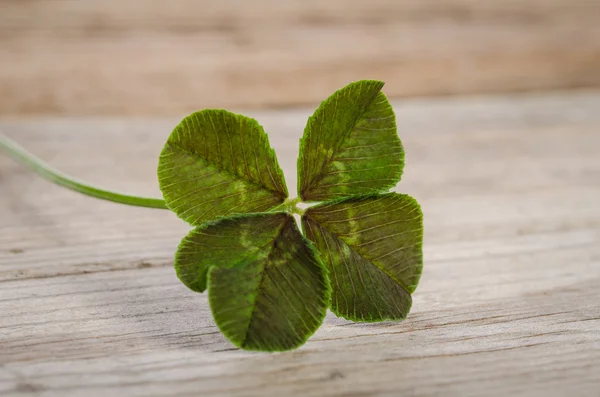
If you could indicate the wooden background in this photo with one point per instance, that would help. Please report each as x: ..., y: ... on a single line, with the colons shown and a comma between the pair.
x: 148, y: 57
x: 508, y: 305
x: 509, y: 182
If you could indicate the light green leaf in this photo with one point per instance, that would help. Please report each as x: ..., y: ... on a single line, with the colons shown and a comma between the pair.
x: 372, y: 247
x: 217, y: 163
x: 267, y: 289
x: 350, y: 145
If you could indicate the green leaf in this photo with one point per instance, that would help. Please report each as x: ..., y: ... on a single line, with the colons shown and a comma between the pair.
x: 216, y: 163
x: 225, y: 243
x: 267, y: 289
x: 372, y: 247
x: 350, y: 145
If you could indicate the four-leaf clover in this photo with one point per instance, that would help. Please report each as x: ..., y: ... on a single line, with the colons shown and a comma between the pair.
x: 269, y: 285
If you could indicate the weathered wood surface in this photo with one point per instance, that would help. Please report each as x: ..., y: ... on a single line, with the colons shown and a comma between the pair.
x: 509, y: 302
x: 170, y: 57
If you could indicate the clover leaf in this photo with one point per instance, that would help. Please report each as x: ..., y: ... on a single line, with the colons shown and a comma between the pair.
x: 350, y: 145
x: 372, y: 246
x: 217, y: 163
x: 269, y: 286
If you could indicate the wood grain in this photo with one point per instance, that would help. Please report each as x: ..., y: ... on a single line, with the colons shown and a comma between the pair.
x: 509, y: 302
x: 83, y: 57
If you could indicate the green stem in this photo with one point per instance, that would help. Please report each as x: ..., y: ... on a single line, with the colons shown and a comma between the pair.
x: 289, y: 206
x: 25, y: 158
x: 295, y: 209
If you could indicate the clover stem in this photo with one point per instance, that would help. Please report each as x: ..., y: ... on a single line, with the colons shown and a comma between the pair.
x: 289, y: 205
x: 22, y: 156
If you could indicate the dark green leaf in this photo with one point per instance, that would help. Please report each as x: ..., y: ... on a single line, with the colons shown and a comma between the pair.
x: 372, y: 247
x: 267, y: 289
x: 216, y: 163
x: 350, y: 145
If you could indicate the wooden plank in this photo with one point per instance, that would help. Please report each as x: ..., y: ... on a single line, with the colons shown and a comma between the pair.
x: 509, y: 302
x: 155, y: 57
